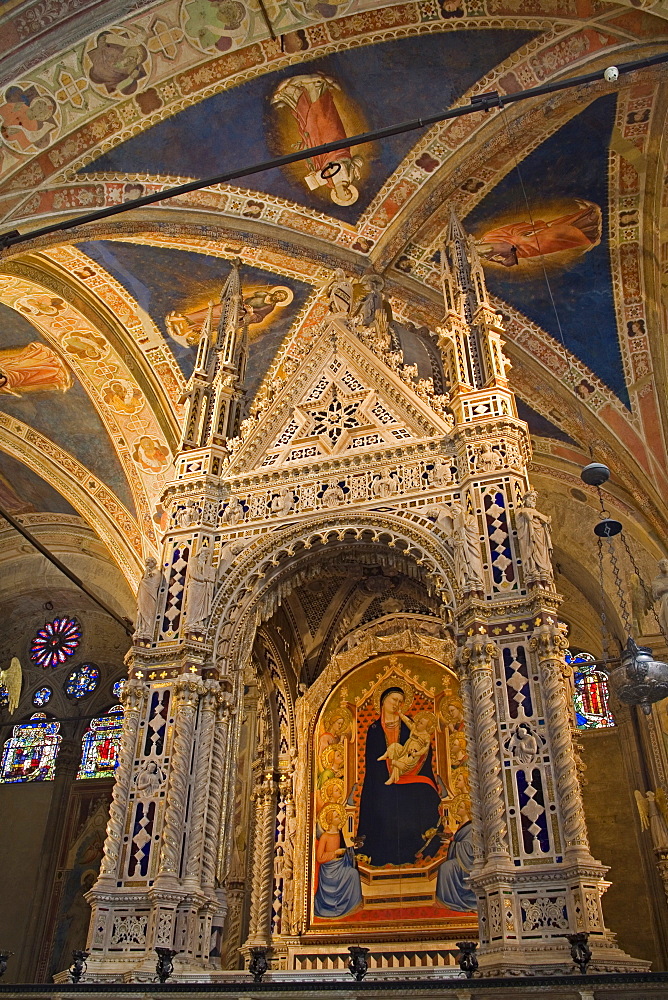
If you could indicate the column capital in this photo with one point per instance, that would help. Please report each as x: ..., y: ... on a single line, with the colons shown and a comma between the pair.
x: 548, y: 640
x: 478, y: 652
x: 134, y: 694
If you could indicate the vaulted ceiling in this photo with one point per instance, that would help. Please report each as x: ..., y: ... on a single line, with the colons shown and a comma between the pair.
x: 117, y: 100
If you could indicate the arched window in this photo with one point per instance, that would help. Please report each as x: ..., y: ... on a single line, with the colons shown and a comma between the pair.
x: 101, y: 745
x: 591, y: 695
x: 30, y: 753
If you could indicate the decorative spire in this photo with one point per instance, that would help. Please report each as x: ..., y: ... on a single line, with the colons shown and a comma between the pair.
x: 215, y: 389
x: 471, y: 329
x: 231, y: 316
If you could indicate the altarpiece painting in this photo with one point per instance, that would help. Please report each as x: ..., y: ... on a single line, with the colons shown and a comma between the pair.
x: 390, y: 822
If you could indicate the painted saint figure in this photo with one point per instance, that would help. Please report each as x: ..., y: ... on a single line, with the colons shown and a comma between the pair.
x: 579, y: 230
x: 339, y: 888
x: 394, y: 817
x: 310, y: 99
x: 33, y: 368
x: 453, y: 883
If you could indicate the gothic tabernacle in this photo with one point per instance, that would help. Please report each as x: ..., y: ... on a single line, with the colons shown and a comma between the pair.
x: 334, y: 498
x: 424, y: 777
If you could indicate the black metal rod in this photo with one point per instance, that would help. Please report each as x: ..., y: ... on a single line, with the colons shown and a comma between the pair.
x: 64, y: 569
x: 482, y: 102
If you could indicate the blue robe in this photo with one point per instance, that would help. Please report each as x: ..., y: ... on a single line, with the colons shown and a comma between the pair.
x: 393, y: 817
x: 339, y: 887
x: 452, y: 887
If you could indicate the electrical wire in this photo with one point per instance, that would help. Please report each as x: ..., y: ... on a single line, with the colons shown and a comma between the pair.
x: 513, y: 147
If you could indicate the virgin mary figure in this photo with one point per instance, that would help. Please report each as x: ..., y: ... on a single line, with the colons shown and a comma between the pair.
x: 393, y: 818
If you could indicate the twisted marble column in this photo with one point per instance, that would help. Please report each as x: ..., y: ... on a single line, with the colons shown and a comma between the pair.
x: 263, y: 862
x: 203, y: 776
x: 477, y: 655
x: 133, y: 697
x: 214, y: 819
x: 474, y: 782
x: 548, y: 644
x: 186, y: 693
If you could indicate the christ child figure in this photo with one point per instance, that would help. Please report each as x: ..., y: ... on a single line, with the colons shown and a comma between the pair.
x: 405, y: 756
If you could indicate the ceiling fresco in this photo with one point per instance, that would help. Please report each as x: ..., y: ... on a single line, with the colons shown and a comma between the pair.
x: 175, y: 286
x: 24, y: 492
x: 116, y: 105
x: 542, y: 235
x: 38, y: 387
x: 328, y: 99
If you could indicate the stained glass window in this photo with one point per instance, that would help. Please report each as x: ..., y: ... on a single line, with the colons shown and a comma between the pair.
x: 117, y: 687
x: 56, y: 642
x: 591, y: 695
x: 30, y: 753
x: 41, y: 696
x: 82, y: 680
x: 101, y: 745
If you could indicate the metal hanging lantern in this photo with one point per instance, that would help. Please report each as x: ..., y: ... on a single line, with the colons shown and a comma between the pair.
x: 607, y: 527
x: 595, y: 474
x: 638, y: 679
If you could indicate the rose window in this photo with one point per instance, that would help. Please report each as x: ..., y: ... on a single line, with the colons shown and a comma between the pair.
x: 56, y: 642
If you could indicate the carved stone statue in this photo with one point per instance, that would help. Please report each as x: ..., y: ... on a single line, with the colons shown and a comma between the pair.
x: 228, y: 553
x: 283, y: 502
x: 147, y: 599
x: 533, y: 533
x: 441, y: 474
x: 149, y: 777
x: 201, y: 581
x: 523, y: 744
x: 333, y: 495
x: 653, y: 810
x: 660, y: 593
x: 339, y: 291
x: 386, y: 485
x: 487, y: 460
x: 374, y: 313
x: 465, y: 541
x: 372, y: 301
x: 187, y: 515
x: 234, y: 512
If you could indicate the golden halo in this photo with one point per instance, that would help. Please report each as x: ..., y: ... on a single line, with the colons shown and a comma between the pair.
x: 287, y: 295
x: 334, y: 808
x: 426, y: 715
x: 326, y: 756
x: 394, y: 680
x: 328, y: 789
x: 338, y: 713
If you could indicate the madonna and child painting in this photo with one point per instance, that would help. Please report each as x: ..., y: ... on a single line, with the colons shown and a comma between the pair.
x: 392, y: 809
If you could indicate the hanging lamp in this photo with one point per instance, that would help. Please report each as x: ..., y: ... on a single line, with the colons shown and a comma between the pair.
x: 638, y: 679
